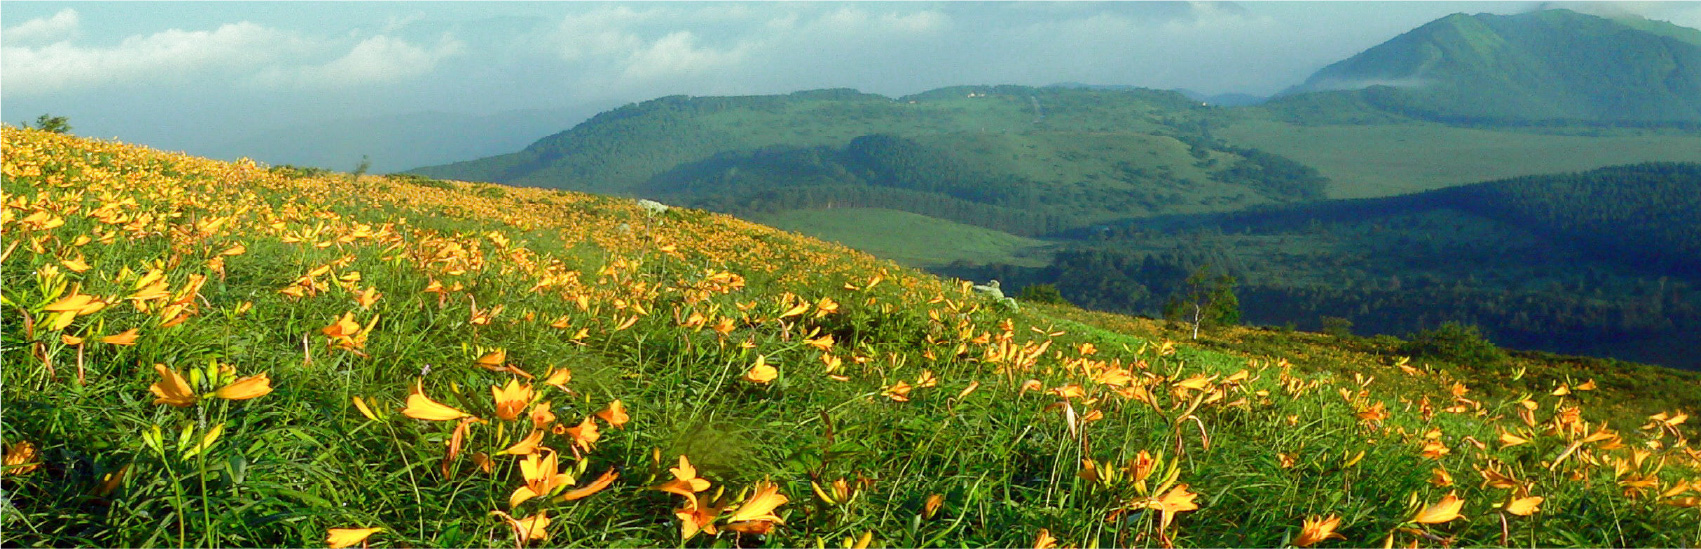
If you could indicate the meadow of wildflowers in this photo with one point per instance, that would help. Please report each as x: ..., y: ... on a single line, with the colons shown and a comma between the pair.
x: 211, y: 354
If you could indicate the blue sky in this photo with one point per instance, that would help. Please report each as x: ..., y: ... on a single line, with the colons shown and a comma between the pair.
x: 177, y: 74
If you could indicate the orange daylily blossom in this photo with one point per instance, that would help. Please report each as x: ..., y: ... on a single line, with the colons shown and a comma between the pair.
x: 1316, y: 530
x: 493, y: 360
x: 347, y: 334
x: 543, y: 475
x: 899, y: 392
x: 559, y: 378
x: 172, y: 389
x: 1523, y: 507
x: 541, y: 416
x: 420, y: 406
x: 1435, y: 449
x: 338, y: 538
x: 931, y: 507
x: 366, y: 298
x: 761, y: 373
x: 1044, y: 540
x: 697, y: 516
x: 511, y: 399
x: 455, y: 440
x: 75, y: 264
x: 1445, y: 510
x: 685, y: 481
x: 535, y: 527
x: 246, y: 388
x: 77, y: 303
x: 20, y: 458
x: 756, y: 514
x: 1178, y: 499
x: 126, y: 337
x: 1440, y: 477
x: 585, y: 435
x: 615, y: 415
x: 526, y: 446
x: 595, y: 486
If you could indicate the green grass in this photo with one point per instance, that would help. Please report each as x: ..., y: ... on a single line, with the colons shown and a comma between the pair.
x: 911, y: 239
x: 1384, y: 160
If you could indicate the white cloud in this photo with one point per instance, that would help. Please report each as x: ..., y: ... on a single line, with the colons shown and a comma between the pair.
x: 62, y: 26
x: 375, y: 60
x: 678, y: 54
x: 161, y: 56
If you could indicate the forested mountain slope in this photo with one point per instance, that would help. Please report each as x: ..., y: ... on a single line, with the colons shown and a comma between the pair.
x: 1541, y: 65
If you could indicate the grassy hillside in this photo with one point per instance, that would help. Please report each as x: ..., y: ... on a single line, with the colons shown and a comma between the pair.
x: 213, y: 354
x: 1364, y: 161
x: 1080, y: 156
x: 910, y: 239
x: 1545, y: 64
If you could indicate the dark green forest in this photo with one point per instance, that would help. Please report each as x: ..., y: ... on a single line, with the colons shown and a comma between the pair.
x: 1602, y: 262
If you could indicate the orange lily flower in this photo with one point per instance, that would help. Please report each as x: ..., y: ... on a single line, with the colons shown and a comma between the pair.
x: 761, y: 373
x: 511, y: 399
x: 585, y: 435
x: 420, y: 406
x: 20, y: 458
x: 246, y: 388
x: 697, y: 516
x: 1445, y: 510
x: 126, y: 337
x: 339, y: 538
x: 595, y: 486
x: 171, y: 389
x: 525, y: 446
x: 541, y: 416
x: 1316, y: 530
x: 1524, y: 507
x: 543, y: 475
x: 756, y: 514
x: 685, y: 481
x: 535, y: 527
x: 615, y: 415
x: 559, y: 378
x: 1044, y: 540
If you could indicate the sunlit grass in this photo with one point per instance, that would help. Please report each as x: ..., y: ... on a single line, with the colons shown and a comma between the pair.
x: 210, y: 354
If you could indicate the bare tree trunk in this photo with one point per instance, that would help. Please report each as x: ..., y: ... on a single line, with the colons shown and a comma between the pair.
x: 1198, y: 315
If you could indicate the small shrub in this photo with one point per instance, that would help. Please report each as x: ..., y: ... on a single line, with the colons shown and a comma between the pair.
x: 1461, y: 344
x: 1041, y: 293
x: 1337, y: 326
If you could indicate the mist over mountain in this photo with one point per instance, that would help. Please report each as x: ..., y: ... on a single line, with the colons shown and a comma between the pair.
x: 1542, y: 65
x: 397, y: 142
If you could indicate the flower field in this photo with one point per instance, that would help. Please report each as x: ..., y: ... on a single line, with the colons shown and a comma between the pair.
x: 210, y: 354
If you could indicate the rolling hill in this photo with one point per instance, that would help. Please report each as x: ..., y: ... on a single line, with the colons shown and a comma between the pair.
x: 201, y: 353
x: 1552, y: 64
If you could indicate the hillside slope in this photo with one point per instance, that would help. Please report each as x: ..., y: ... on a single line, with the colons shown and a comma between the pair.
x: 1547, y: 64
x: 202, y: 353
x: 1069, y: 157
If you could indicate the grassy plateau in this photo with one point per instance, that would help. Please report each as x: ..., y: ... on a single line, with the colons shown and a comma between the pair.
x: 210, y: 354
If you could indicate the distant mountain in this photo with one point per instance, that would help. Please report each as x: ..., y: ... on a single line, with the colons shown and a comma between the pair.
x: 397, y: 142
x: 1023, y: 160
x: 1544, y: 65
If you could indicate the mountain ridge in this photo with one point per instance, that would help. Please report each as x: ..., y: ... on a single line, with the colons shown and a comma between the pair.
x: 1544, y: 65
